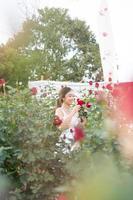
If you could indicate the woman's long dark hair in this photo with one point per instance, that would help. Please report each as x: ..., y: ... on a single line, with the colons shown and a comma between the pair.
x: 62, y: 95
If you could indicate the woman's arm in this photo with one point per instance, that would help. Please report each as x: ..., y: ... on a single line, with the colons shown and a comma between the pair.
x: 66, y: 122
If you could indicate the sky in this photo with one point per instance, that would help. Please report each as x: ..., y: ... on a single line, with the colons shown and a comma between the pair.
x: 13, y: 12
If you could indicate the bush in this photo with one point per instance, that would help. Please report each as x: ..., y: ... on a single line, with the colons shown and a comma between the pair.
x: 28, y: 154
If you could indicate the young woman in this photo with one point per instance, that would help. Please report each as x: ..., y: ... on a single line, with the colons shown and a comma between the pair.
x: 69, y: 119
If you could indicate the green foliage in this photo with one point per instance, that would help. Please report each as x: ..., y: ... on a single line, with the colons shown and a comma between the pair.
x: 53, y: 45
x: 28, y: 154
x: 13, y: 65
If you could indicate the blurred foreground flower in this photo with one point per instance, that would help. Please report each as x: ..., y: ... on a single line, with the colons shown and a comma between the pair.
x: 62, y: 197
x: 79, y: 134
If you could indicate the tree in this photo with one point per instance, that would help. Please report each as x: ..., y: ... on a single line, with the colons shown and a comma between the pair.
x: 57, y: 47
x: 13, y: 66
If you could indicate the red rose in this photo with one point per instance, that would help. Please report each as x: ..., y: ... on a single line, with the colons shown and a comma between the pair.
x: 90, y: 82
x: 88, y: 105
x: 78, y: 134
x: 34, y: 91
x: 109, y: 87
x: 90, y: 92
x: 57, y: 121
x: 80, y: 102
x: 96, y: 85
x: 2, y: 82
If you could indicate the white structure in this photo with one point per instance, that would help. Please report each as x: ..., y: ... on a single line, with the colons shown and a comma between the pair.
x: 79, y: 88
x: 106, y: 44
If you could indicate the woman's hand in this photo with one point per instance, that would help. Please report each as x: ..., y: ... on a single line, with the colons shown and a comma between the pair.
x: 76, y: 108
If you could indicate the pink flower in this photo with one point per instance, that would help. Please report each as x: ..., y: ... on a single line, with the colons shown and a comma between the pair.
x: 80, y: 102
x: 78, y: 134
x: 88, y: 105
x: 34, y: 91
x: 104, y: 34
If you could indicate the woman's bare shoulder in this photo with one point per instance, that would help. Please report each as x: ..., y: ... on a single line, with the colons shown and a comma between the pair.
x: 59, y: 111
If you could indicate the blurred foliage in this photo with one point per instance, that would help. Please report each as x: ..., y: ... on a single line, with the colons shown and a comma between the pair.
x: 51, y: 44
x: 103, y: 180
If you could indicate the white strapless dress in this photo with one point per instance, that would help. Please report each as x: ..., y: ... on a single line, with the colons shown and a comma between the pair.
x: 67, y: 136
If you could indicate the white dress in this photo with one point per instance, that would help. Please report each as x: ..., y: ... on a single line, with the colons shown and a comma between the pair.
x: 67, y: 136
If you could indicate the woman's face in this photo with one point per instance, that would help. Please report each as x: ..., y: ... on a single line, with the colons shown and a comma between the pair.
x: 69, y: 98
